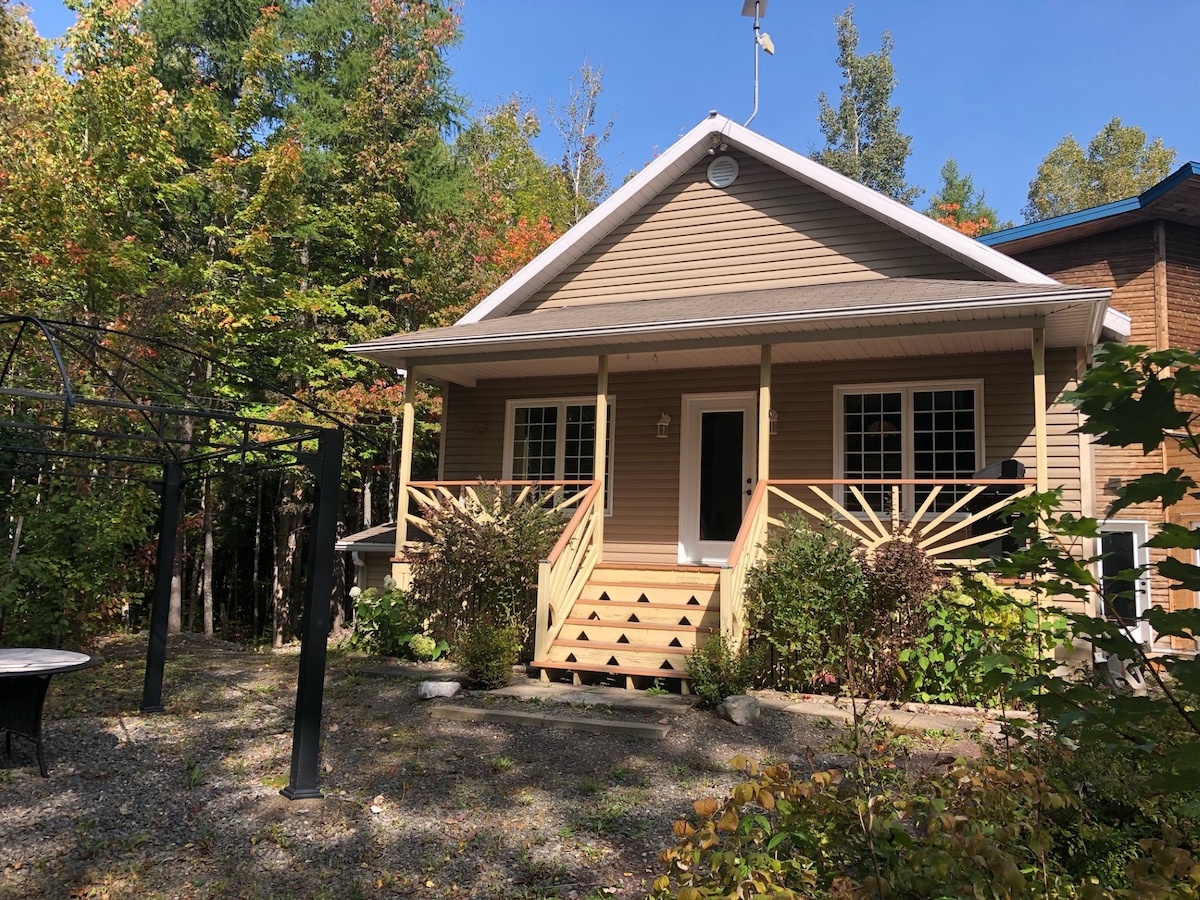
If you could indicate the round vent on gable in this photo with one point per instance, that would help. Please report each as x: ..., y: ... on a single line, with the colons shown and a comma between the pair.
x: 722, y: 171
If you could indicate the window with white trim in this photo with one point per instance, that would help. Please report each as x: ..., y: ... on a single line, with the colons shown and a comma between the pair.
x: 1124, y: 582
x: 930, y: 431
x: 555, y: 440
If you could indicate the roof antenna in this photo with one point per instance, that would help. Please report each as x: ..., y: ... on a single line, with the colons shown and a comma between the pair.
x: 757, y: 9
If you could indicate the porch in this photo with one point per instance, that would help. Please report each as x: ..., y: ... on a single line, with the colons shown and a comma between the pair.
x: 638, y: 622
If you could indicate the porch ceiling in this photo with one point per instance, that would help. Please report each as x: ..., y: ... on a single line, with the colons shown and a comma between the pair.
x: 861, y: 320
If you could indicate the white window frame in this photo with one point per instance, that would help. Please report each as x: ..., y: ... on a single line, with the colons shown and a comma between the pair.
x: 560, y: 444
x: 1140, y: 529
x: 907, y: 388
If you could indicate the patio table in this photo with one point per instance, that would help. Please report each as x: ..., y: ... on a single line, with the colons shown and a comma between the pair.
x: 25, y: 674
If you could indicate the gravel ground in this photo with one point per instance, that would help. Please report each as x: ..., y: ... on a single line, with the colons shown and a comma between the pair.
x: 186, y: 803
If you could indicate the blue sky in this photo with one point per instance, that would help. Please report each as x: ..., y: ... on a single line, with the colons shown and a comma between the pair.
x: 994, y: 85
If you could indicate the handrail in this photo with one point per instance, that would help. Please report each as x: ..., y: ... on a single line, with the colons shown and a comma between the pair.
x: 747, y: 547
x: 743, y: 535
x: 564, y: 572
x: 572, y: 526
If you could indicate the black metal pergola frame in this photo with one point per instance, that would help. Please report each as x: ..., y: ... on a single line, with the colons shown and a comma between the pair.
x: 155, y: 447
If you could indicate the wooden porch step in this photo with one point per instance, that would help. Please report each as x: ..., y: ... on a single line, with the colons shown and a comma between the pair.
x: 640, y: 626
x: 620, y: 655
x: 560, y: 665
x: 623, y: 647
x: 607, y: 592
x: 616, y: 574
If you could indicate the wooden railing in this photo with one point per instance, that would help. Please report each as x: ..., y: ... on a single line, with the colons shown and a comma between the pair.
x: 747, y: 550
x: 949, y: 517
x: 481, y: 499
x: 563, y: 574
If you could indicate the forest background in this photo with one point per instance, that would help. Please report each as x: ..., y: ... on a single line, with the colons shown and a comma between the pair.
x: 264, y: 184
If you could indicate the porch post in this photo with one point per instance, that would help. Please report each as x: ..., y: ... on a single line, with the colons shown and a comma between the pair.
x: 600, y: 472
x: 401, y: 571
x: 1039, y: 409
x: 764, y: 413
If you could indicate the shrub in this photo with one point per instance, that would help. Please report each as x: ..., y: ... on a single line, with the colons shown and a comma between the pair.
x: 977, y: 830
x: 487, y: 651
x: 900, y: 578
x: 78, y: 560
x: 424, y: 648
x: 481, y: 562
x: 385, y: 622
x: 719, y: 669
x: 807, y: 601
x: 977, y: 638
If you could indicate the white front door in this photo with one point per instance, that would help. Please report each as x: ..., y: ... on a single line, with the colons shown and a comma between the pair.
x: 716, y: 473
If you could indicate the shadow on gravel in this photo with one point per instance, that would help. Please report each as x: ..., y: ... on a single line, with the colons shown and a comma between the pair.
x: 186, y: 805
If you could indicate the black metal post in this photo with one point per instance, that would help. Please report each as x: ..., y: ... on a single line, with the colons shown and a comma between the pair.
x: 156, y: 653
x: 326, y: 464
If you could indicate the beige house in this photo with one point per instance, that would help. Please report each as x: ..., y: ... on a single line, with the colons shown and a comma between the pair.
x: 739, y: 332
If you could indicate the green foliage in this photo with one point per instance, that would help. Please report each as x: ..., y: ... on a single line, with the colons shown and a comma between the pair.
x: 719, y: 669
x: 809, y: 598
x: 77, y: 562
x: 834, y: 618
x: 1118, y: 163
x: 978, y: 638
x: 386, y: 622
x: 976, y: 830
x: 481, y: 562
x: 862, y: 133
x: 426, y: 649
x: 957, y: 204
x: 487, y: 651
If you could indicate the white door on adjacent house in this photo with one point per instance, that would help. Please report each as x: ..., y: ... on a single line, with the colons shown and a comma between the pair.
x: 716, y: 473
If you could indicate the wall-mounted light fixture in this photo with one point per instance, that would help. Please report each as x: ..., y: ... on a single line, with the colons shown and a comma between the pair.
x: 773, y: 418
x: 664, y: 424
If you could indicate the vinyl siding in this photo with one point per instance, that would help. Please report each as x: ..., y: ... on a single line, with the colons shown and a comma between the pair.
x: 645, y: 487
x: 765, y: 230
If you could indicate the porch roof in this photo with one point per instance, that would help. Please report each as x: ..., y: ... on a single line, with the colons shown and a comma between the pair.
x: 885, y: 308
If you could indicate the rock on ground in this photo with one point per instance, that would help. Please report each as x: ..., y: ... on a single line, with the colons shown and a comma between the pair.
x: 429, y: 690
x: 739, y: 709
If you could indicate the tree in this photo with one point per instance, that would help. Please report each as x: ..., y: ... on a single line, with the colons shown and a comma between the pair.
x: 957, y: 205
x: 20, y: 47
x: 1118, y: 163
x: 587, y: 175
x: 862, y: 133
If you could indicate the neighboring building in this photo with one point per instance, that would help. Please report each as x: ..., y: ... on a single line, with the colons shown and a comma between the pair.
x: 735, y: 333
x: 1146, y: 250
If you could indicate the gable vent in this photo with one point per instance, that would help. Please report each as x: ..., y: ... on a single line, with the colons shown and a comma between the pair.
x: 722, y: 171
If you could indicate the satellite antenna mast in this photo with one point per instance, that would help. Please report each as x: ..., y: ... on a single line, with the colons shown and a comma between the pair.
x: 757, y: 9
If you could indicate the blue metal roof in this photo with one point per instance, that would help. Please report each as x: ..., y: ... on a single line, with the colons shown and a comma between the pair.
x: 1117, y: 207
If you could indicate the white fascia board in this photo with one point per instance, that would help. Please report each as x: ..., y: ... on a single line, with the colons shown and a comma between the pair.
x: 580, y: 238
x: 791, y: 317
x: 904, y: 218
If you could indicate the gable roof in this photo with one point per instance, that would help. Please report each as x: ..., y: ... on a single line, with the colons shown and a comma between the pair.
x: 693, y: 147
x: 1176, y: 198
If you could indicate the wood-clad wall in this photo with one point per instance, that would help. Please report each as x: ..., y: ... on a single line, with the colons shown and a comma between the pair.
x: 645, y: 483
x: 765, y: 230
x: 1124, y: 261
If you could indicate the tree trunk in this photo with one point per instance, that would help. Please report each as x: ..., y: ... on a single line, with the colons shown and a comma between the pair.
x: 255, y: 563
x: 287, y: 541
x: 206, y: 585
